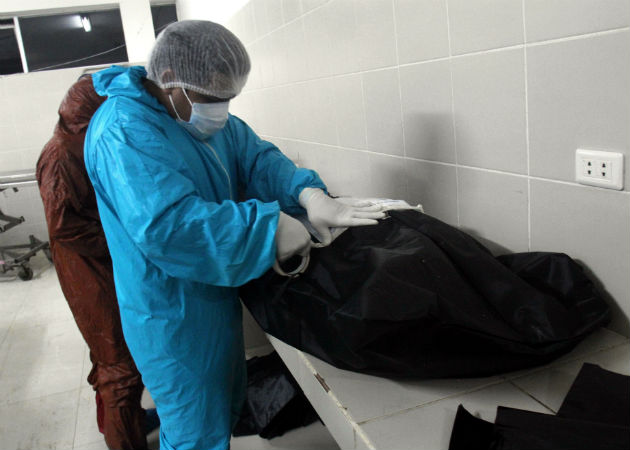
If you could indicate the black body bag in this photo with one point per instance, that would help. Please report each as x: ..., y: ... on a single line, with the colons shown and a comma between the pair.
x: 415, y: 297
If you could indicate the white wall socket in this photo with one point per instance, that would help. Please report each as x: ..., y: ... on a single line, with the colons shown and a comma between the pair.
x: 597, y: 168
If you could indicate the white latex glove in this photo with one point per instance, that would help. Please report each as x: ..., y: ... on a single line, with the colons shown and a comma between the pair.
x: 325, y: 212
x: 291, y: 238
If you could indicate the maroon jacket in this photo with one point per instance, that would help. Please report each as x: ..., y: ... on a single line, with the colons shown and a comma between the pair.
x: 84, y: 267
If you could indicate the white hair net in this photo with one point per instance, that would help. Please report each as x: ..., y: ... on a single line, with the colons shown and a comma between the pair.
x: 199, y: 55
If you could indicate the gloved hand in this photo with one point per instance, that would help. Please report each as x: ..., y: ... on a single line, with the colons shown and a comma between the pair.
x: 291, y: 238
x: 325, y: 212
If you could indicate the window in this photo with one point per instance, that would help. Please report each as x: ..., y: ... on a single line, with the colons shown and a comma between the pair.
x: 73, y: 40
x: 10, y: 60
x: 162, y: 16
x: 66, y: 40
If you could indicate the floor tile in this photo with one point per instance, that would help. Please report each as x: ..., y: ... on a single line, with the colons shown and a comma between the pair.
x: 45, y: 422
x: 429, y: 427
x: 86, y: 427
x: 551, y: 386
x: 40, y: 361
x: 93, y: 446
x: 312, y: 437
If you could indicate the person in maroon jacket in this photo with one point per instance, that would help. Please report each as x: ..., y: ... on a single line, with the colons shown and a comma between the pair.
x: 84, y: 268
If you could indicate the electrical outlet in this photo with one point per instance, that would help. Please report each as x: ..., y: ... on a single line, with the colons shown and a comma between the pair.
x: 597, y: 168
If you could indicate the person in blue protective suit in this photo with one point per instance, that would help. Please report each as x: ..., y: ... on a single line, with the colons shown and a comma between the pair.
x: 194, y: 204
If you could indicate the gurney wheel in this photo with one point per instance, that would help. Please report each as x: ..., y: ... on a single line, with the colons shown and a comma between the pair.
x: 25, y: 273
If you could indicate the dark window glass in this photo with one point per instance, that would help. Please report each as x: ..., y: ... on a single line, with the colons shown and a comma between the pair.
x: 10, y: 61
x: 62, y: 41
x: 162, y: 16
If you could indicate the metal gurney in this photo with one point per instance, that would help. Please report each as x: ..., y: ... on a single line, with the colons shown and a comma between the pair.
x: 16, y: 257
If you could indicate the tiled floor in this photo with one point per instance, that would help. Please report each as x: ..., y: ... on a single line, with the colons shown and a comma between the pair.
x: 45, y: 401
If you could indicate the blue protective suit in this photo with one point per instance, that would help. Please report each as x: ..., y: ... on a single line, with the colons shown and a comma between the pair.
x: 181, y: 243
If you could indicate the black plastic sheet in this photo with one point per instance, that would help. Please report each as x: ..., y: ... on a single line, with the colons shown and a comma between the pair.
x: 275, y: 402
x: 415, y: 297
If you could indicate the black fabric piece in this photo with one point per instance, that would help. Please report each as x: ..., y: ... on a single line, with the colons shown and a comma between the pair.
x: 415, y: 297
x: 598, y: 395
x: 470, y: 432
x: 275, y: 402
x: 583, y: 424
x: 525, y: 430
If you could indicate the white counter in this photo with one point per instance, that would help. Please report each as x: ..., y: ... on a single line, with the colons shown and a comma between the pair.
x: 367, y: 412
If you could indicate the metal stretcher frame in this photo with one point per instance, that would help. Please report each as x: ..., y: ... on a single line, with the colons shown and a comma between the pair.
x: 16, y: 257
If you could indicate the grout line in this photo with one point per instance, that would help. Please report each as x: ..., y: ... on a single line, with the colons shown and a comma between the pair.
x: 577, y: 36
x: 453, y: 121
x: 4, y: 404
x: 527, y: 146
x: 450, y: 57
x: 455, y: 165
x: 300, y: 16
x: 365, y: 127
x: 458, y: 166
x: 76, y: 421
x: 402, y: 114
x: 533, y: 398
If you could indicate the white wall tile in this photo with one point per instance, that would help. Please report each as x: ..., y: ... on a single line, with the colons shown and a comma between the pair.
x: 342, y: 32
x: 349, y: 111
x: 318, y: 111
x: 318, y: 44
x: 295, y: 46
x: 266, y: 61
x: 320, y: 158
x: 546, y: 19
x: 361, y: 35
x: 427, y: 111
x: 579, y: 93
x: 268, y: 15
x: 489, y: 99
x: 274, y: 14
x: 590, y: 225
x: 279, y: 57
x: 350, y: 179
x: 421, y: 30
x: 10, y: 161
x: 383, y: 114
x: 261, y: 16
x: 375, y: 44
x: 493, y: 208
x: 247, y: 23
x: 434, y: 186
x: 22, y: 426
x: 484, y: 24
x: 254, y: 80
x: 387, y: 177
x: 291, y: 10
x: 309, y: 5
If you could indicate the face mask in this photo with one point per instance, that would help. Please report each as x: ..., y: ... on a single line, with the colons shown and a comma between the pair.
x: 205, y: 119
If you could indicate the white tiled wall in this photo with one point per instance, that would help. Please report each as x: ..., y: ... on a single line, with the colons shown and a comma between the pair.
x: 27, y: 119
x: 473, y: 108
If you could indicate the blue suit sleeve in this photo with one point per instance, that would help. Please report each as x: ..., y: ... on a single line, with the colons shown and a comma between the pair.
x: 266, y: 173
x: 144, y: 183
